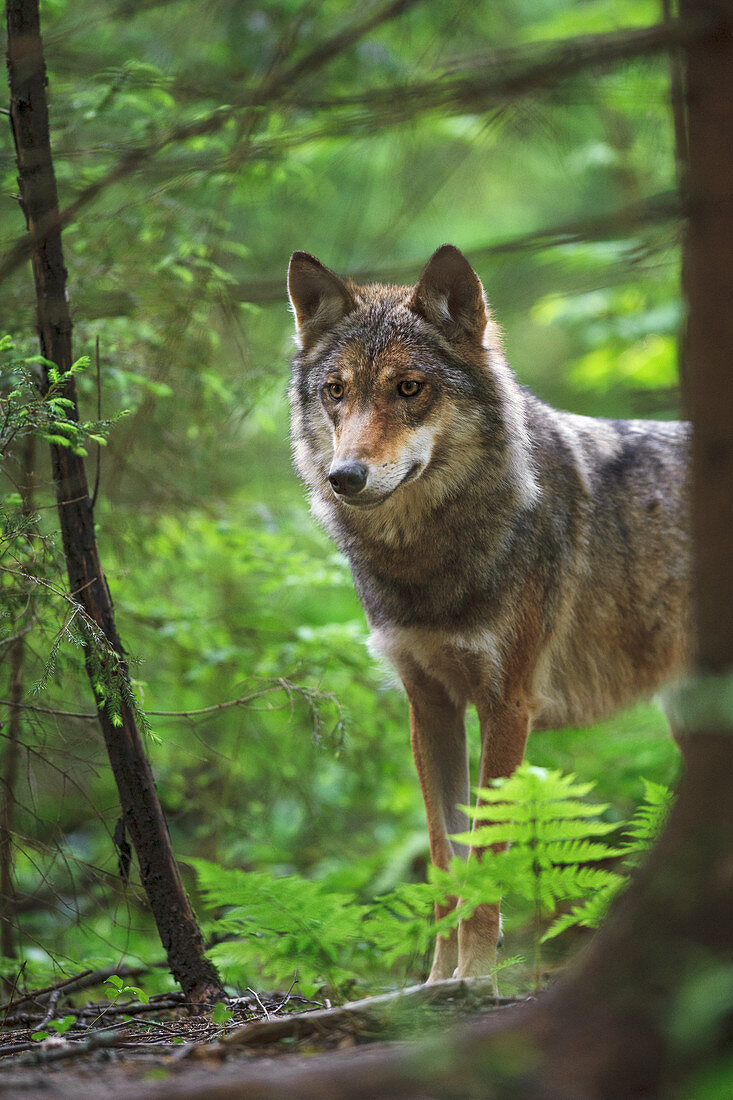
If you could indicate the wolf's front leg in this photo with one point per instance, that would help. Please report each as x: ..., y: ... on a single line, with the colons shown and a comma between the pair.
x: 438, y: 738
x: 504, y: 730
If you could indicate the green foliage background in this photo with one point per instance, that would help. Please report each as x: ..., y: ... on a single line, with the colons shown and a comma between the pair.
x: 222, y: 583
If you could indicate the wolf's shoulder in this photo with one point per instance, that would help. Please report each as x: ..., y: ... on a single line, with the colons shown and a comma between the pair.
x: 603, y: 440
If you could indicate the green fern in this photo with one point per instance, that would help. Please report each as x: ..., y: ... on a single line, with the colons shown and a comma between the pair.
x: 554, y: 846
x: 640, y: 834
x: 647, y: 822
x: 553, y: 837
x: 273, y: 927
x: 276, y: 927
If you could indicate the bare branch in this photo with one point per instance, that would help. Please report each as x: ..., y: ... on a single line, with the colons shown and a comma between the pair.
x: 270, y: 91
x: 367, y: 1010
x: 657, y: 209
x: 508, y: 73
x: 242, y: 701
x: 388, y: 106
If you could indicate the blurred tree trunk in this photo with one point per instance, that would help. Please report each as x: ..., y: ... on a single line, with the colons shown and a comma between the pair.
x: 142, y: 814
x: 617, y: 1027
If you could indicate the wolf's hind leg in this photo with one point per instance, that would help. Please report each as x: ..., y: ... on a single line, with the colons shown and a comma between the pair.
x: 438, y: 736
x: 504, y: 730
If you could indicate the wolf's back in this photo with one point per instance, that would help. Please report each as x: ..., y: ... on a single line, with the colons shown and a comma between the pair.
x: 616, y: 495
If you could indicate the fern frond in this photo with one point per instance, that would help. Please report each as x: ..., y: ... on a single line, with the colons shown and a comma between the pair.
x: 538, y: 809
x: 529, y: 782
x: 588, y: 915
x: 580, y: 851
x: 649, y: 819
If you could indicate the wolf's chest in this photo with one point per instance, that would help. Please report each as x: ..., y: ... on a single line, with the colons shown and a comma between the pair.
x: 466, y: 664
x: 449, y: 594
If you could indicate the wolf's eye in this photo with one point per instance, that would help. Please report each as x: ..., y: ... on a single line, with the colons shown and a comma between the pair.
x: 408, y: 388
x: 335, y: 390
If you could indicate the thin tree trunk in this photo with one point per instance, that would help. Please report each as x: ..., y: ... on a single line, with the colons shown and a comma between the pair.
x: 141, y: 809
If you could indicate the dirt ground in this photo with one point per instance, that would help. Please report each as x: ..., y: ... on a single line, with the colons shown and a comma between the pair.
x: 266, y: 1046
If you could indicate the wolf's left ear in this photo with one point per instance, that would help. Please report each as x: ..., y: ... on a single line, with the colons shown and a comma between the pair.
x: 449, y: 294
x: 318, y: 297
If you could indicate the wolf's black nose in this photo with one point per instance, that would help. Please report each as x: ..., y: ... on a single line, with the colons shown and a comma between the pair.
x: 349, y: 479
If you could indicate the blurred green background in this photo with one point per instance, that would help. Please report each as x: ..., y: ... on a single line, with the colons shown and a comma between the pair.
x: 222, y: 583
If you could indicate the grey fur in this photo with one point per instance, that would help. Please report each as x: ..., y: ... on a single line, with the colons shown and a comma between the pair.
x: 526, y: 522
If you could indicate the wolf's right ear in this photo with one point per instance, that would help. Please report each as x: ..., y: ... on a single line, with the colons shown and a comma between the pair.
x: 318, y: 297
x: 449, y: 294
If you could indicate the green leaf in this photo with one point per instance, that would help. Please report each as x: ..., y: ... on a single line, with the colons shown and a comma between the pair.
x: 58, y: 440
x: 81, y: 364
x: 221, y: 1014
x: 63, y: 1025
x: 141, y: 995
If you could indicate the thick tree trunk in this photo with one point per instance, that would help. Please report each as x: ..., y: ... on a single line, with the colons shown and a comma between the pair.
x: 616, y: 1027
x: 709, y: 292
x: 141, y: 809
x: 610, y: 1030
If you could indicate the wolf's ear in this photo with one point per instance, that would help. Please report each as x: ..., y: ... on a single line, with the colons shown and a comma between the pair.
x: 449, y: 294
x: 318, y: 297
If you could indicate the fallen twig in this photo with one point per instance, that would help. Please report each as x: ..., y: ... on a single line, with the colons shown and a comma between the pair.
x: 259, y: 1002
x: 53, y: 1001
x: 17, y: 1048
x: 36, y: 994
x: 69, y: 1049
x: 368, y: 1009
x: 96, y: 1041
x: 134, y: 1008
x: 8, y: 1004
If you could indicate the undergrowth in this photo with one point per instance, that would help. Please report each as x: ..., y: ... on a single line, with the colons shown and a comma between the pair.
x: 272, y: 928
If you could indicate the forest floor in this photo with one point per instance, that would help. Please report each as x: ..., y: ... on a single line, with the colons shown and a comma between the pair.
x: 52, y: 1047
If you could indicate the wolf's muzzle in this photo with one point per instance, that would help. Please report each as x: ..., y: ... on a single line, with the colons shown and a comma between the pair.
x: 348, y: 479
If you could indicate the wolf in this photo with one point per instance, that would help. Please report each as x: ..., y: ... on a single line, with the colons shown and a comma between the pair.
x: 532, y: 563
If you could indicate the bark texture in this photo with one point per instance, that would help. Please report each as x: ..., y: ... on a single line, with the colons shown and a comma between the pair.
x: 709, y: 292
x: 141, y: 809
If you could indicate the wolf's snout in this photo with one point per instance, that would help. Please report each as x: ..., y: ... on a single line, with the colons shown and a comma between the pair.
x: 348, y: 479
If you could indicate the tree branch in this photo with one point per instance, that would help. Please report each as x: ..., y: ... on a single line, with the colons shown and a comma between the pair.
x: 660, y: 208
x: 388, y: 106
x: 243, y: 701
x: 368, y: 1010
x: 268, y: 92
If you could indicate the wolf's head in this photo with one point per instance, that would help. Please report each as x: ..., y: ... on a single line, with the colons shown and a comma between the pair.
x: 398, y: 391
